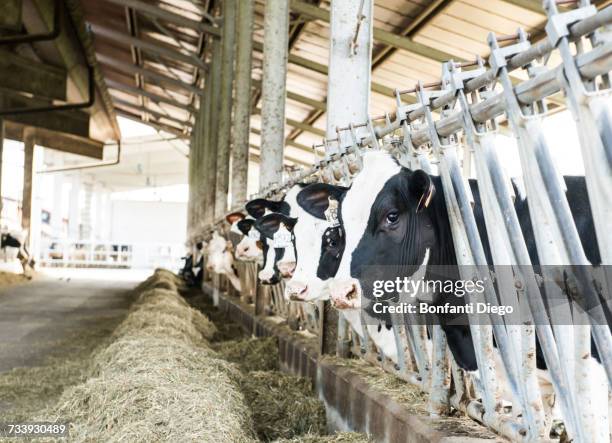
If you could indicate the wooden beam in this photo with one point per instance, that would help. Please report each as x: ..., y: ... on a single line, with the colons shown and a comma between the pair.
x: 164, y: 14
x: 147, y: 73
x: 72, y: 122
x: 155, y: 97
x: 59, y: 141
x: 26, y: 75
x: 149, y: 46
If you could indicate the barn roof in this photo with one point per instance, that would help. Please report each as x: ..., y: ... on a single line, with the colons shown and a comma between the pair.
x: 152, y: 55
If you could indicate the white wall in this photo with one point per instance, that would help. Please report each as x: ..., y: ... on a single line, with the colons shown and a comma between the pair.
x: 148, y: 222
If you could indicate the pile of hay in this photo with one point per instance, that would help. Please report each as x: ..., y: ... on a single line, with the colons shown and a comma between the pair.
x: 158, y: 380
x: 340, y: 437
x: 283, y: 405
x: 11, y: 278
x: 252, y: 354
x: 162, y: 279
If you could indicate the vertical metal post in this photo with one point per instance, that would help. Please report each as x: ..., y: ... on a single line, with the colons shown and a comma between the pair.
x: 190, y: 181
x: 225, y: 108
x: 350, y: 57
x: 242, y: 103
x: 276, y: 41
x: 348, y: 82
x: 212, y: 136
x: 28, y: 175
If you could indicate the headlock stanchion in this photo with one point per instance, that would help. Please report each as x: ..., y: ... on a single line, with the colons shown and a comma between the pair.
x: 459, y: 115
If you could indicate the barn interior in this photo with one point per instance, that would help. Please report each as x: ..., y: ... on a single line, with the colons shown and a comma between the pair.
x: 130, y: 128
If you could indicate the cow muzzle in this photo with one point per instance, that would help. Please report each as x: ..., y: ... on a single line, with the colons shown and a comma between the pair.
x: 345, y: 294
x: 296, y: 291
x: 286, y: 269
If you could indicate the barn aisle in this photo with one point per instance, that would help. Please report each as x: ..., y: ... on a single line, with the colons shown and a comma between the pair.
x: 38, y: 317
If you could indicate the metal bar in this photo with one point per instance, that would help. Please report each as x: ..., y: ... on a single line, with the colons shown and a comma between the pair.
x: 141, y: 92
x: 212, y: 125
x: 164, y: 14
x: 276, y: 28
x: 225, y: 107
x: 242, y: 104
x: 150, y: 46
x: 147, y: 73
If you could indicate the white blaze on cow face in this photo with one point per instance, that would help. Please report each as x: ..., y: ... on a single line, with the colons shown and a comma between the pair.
x: 248, y: 249
x: 305, y: 285
x: 283, y: 240
x: 267, y: 273
x: 378, y: 168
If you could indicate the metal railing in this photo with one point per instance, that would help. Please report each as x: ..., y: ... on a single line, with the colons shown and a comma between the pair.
x: 77, y: 253
x: 467, y: 104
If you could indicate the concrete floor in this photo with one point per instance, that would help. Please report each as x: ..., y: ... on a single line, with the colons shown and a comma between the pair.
x: 49, y: 310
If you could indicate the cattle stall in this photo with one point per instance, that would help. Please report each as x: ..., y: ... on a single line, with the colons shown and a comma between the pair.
x: 306, y: 221
x: 450, y: 128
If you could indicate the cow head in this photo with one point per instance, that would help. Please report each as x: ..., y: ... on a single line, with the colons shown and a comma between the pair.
x: 278, y: 231
x: 389, y: 228
x: 260, y: 206
x: 249, y: 248
x: 319, y: 241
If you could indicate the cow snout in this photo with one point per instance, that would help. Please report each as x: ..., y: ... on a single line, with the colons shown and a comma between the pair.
x: 267, y: 277
x: 286, y: 269
x: 296, y: 290
x: 345, y: 294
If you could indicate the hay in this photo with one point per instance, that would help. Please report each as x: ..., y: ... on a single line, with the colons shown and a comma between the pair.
x: 162, y: 279
x: 252, y: 354
x: 158, y: 380
x: 10, y: 279
x: 341, y: 437
x: 282, y: 405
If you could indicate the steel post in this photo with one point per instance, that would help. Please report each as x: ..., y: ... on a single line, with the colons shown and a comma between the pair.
x: 225, y: 109
x: 242, y: 103
x: 276, y: 36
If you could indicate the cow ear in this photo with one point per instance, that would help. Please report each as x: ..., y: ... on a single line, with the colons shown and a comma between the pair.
x: 269, y: 224
x: 314, y: 198
x: 245, y: 225
x: 422, y: 188
x: 234, y: 217
x: 256, y: 208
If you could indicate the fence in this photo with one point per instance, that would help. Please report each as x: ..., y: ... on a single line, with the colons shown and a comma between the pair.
x: 77, y: 253
x: 457, y: 119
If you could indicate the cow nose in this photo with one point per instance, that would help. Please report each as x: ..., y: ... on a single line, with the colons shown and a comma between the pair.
x: 266, y: 277
x: 286, y: 268
x: 345, y: 294
x: 296, y: 290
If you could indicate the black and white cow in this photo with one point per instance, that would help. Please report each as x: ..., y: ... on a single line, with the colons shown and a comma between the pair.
x: 16, y: 240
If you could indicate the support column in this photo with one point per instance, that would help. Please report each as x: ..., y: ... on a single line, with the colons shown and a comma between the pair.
x: 73, y: 207
x: 201, y: 132
x: 242, y: 104
x: 28, y: 175
x: 276, y: 41
x: 191, y: 185
x: 349, y: 72
x: 225, y: 108
x: 212, y: 136
x: 348, y: 99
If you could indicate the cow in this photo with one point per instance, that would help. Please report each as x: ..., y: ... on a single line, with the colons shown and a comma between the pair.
x: 274, y: 251
x: 16, y: 240
x: 220, y: 259
x: 396, y: 219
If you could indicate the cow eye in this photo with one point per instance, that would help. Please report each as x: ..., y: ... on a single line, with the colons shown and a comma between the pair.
x: 392, y: 217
